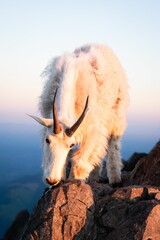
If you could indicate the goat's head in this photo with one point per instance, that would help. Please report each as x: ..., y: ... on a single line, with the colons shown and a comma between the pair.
x: 58, y: 141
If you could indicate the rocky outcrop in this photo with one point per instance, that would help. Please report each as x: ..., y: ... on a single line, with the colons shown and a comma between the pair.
x: 130, y: 164
x: 79, y: 211
x: 128, y: 214
x: 96, y: 211
x: 62, y: 213
x: 147, y: 170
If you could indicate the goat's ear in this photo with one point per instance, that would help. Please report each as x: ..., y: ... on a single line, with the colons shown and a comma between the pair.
x: 43, y: 121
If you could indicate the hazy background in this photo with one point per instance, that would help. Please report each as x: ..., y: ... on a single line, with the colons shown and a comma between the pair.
x: 34, y: 31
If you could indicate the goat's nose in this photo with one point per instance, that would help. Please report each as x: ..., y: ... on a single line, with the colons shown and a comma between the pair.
x: 52, y: 182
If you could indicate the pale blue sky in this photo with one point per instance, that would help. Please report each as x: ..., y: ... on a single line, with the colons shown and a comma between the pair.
x: 33, y: 31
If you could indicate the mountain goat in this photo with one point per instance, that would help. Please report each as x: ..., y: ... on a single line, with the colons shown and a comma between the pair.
x: 83, y: 103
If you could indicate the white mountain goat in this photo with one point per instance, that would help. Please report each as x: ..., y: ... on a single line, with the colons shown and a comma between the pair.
x: 91, y: 78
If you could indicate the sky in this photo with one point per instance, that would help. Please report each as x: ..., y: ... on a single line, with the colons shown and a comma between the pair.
x: 32, y: 32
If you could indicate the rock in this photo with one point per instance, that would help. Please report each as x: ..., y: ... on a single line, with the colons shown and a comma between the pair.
x: 132, y: 161
x: 152, y: 230
x: 17, y: 227
x: 62, y: 213
x: 147, y: 170
x: 126, y: 214
x: 93, y: 212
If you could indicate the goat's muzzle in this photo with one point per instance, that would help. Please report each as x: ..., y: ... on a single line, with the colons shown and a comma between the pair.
x: 52, y: 182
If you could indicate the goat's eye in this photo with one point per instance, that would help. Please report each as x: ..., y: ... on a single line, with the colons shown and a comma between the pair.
x: 72, y: 145
x: 47, y: 141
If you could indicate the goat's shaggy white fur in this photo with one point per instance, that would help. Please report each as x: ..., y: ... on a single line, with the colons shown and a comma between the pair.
x: 94, y: 71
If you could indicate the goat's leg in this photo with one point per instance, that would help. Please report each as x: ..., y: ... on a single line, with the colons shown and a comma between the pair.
x: 80, y: 169
x: 83, y: 163
x: 114, y: 164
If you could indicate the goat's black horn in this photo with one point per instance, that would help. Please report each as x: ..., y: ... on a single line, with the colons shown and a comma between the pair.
x: 71, y: 131
x: 56, y: 126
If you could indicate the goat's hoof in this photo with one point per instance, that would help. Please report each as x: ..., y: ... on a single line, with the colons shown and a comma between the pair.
x: 81, y: 182
x: 116, y: 185
x: 103, y: 180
